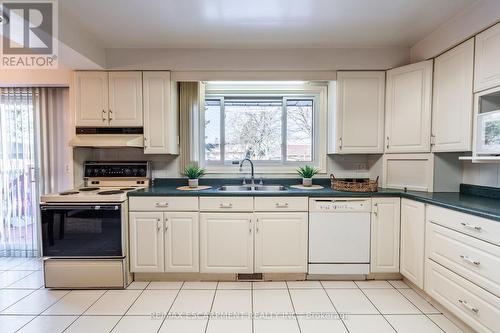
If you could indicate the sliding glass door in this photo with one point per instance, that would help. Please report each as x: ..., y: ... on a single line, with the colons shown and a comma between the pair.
x: 18, y: 165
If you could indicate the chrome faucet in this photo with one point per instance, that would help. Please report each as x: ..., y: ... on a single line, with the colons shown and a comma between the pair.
x: 252, y: 170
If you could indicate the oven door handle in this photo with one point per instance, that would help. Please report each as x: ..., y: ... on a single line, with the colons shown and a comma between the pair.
x: 93, y: 207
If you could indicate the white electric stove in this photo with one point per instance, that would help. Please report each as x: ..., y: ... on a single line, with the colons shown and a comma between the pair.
x: 85, y: 230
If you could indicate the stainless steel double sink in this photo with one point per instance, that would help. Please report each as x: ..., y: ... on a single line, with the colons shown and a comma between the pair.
x: 252, y: 188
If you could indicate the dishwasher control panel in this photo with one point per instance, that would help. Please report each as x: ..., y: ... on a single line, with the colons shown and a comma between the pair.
x: 340, y: 205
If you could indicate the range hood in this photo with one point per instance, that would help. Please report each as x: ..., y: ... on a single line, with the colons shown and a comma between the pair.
x: 108, y: 137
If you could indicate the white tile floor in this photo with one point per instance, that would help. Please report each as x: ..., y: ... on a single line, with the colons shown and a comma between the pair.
x: 198, y: 307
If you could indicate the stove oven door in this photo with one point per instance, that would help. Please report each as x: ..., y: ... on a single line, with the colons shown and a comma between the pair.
x: 83, y: 231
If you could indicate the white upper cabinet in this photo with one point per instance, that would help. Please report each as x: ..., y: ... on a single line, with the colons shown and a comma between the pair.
x: 125, y: 99
x: 358, y: 114
x: 385, y: 235
x: 487, y: 65
x: 108, y: 99
x: 281, y: 242
x: 452, y: 103
x: 408, y: 108
x: 160, y: 116
x: 91, y: 99
x: 412, y: 241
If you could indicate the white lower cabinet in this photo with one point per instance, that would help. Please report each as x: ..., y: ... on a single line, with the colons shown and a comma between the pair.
x: 226, y: 242
x: 385, y: 237
x: 146, y: 242
x: 472, y: 304
x: 412, y: 241
x: 181, y: 242
x: 215, y: 240
x: 462, y: 266
x: 164, y: 242
x: 472, y: 258
x: 281, y: 242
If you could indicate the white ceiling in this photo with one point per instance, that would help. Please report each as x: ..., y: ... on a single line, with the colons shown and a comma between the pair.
x: 260, y: 23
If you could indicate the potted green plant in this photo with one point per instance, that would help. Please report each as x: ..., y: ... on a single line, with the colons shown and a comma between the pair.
x: 307, y: 172
x: 193, y: 173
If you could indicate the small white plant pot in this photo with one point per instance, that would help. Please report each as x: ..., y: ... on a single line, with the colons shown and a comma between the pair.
x: 193, y: 183
x: 307, y: 182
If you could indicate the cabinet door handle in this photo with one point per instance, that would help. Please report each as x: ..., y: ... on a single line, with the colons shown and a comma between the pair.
x: 340, y: 143
x: 250, y: 226
x: 387, y: 144
x: 224, y: 205
x: 468, y: 306
x: 284, y: 205
x: 104, y: 115
x: 469, y: 260
x: 145, y: 142
x: 158, y: 227
x: 375, y: 209
x: 161, y: 204
x: 257, y: 225
x: 110, y: 115
x: 470, y: 226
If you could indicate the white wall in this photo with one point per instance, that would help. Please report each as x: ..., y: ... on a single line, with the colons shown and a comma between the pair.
x: 481, y: 174
x: 480, y: 15
x: 168, y: 166
x: 77, y: 48
x: 39, y: 77
x: 261, y: 59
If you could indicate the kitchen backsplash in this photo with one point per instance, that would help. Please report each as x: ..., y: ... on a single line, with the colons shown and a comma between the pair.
x: 168, y: 166
x: 164, y: 166
x: 481, y: 174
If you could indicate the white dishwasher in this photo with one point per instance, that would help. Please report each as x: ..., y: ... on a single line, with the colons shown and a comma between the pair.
x: 339, y: 236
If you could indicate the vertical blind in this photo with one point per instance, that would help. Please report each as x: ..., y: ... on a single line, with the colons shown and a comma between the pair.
x: 18, y: 190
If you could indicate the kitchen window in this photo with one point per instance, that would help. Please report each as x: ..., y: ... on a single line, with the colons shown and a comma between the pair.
x: 274, y: 131
x: 279, y: 125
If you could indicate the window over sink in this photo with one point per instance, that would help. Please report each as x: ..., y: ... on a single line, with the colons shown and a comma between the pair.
x: 275, y: 125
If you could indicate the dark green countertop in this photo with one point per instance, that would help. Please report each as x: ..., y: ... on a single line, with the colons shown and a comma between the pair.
x: 472, y: 204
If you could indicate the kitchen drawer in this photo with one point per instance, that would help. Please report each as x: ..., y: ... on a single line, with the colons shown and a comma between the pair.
x: 237, y: 204
x: 475, y: 226
x: 292, y: 204
x: 469, y: 257
x: 472, y: 304
x: 151, y: 204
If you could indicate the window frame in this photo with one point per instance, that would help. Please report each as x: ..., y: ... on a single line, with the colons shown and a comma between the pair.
x: 316, y: 93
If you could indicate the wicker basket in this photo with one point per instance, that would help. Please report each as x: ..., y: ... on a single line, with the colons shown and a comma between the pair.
x: 348, y: 185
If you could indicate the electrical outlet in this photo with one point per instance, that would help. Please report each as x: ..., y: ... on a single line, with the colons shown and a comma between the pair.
x: 361, y: 166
